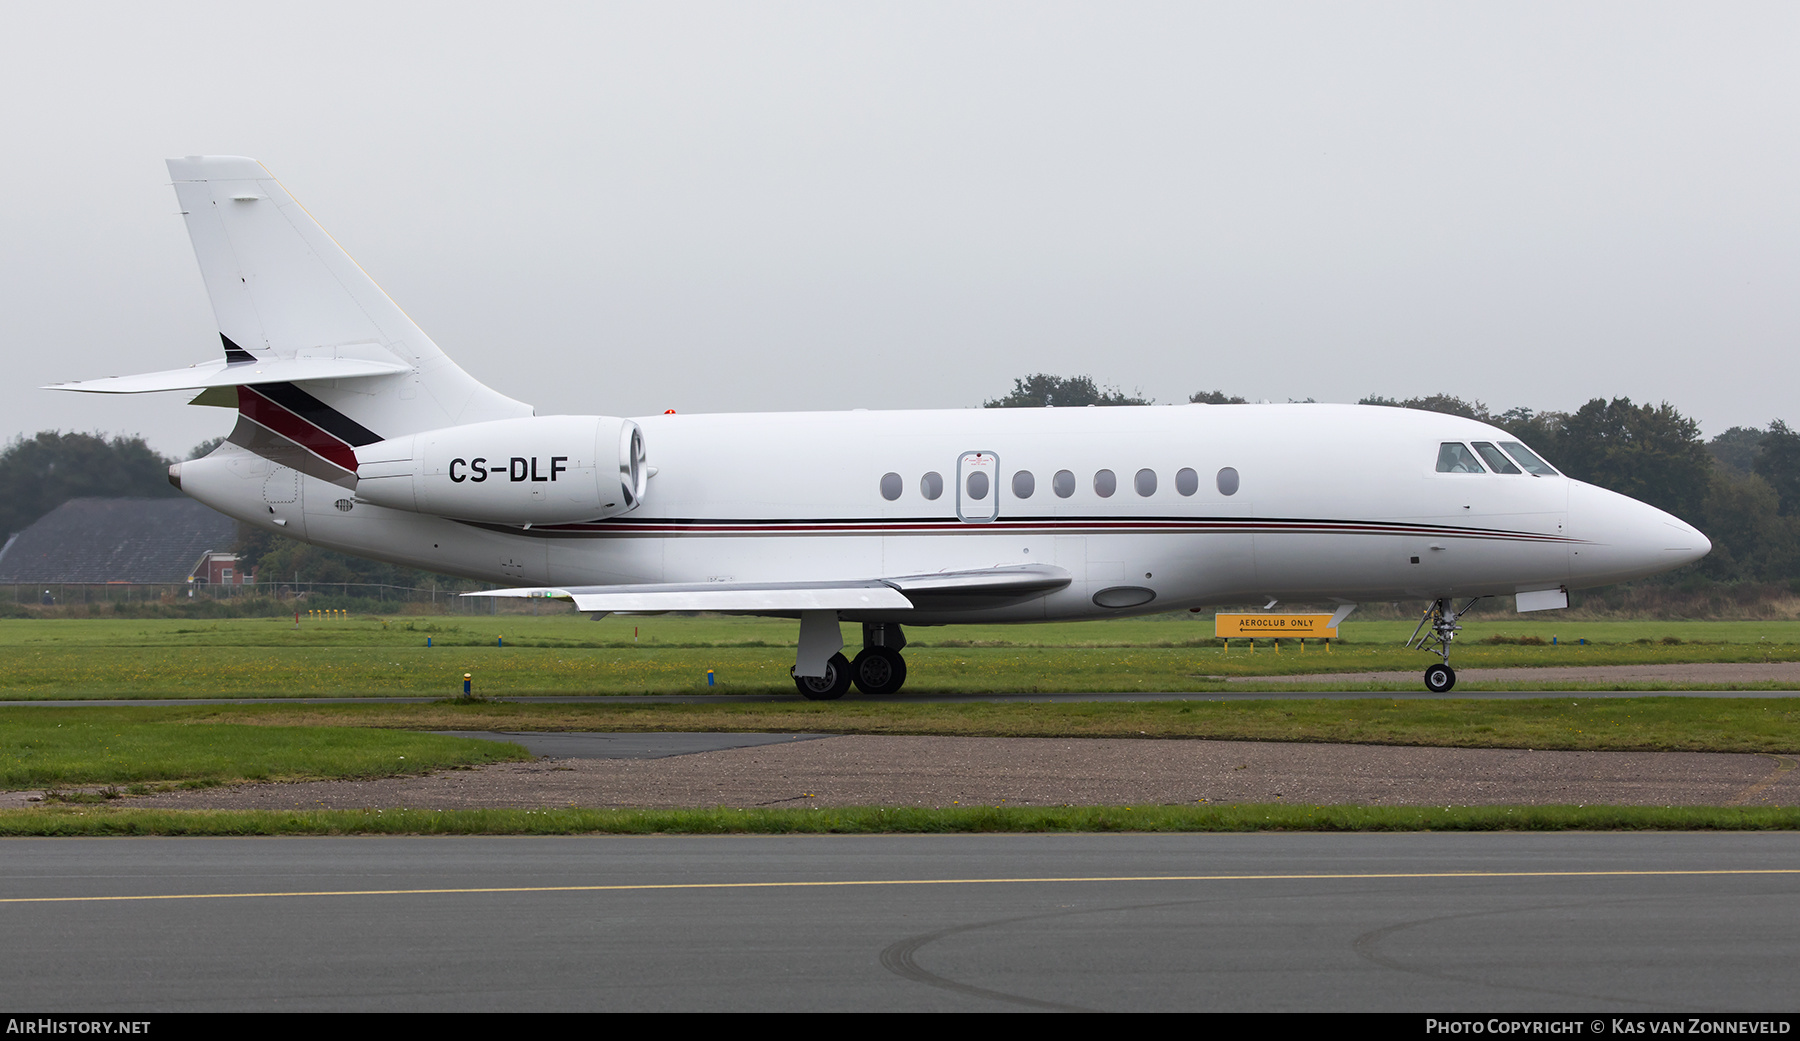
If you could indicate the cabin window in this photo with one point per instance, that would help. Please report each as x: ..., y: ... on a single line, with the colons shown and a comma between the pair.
x: 1063, y: 484
x: 1455, y: 458
x: 1105, y: 483
x: 1187, y: 482
x: 1228, y: 481
x: 1531, y: 463
x: 931, y: 485
x: 978, y: 485
x: 1496, y: 462
x: 890, y: 486
x: 1024, y: 484
x: 1145, y: 482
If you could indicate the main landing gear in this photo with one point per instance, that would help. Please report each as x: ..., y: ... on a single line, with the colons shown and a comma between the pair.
x: 829, y: 687
x: 1441, y: 617
x: 877, y: 670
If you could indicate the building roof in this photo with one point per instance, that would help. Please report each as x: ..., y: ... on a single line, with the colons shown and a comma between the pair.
x: 116, y: 540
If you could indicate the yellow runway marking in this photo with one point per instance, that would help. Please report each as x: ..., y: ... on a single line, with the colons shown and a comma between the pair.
x: 691, y: 886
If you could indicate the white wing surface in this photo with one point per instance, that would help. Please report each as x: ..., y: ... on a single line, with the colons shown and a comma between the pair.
x: 899, y: 593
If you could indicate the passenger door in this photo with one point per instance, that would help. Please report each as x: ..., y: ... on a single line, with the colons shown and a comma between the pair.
x: 977, y: 487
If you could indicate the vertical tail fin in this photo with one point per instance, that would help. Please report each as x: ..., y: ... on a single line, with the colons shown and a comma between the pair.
x: 283, y: 289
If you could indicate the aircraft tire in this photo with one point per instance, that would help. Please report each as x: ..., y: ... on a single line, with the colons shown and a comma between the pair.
x: 828, y: 687
x: 1440, y: 678
x: 878, y: 671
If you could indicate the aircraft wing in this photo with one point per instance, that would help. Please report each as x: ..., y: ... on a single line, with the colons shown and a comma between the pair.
x: 1009, y: 581
x: 905, y: 592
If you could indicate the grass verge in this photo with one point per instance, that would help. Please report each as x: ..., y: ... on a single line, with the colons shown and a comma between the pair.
x: 99, y: 821
x: 84, y: 747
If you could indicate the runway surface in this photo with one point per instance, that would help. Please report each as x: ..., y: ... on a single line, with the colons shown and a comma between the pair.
x: 1422, y: 922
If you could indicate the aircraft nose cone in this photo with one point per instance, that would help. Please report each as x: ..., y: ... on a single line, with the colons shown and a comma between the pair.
x: 1622, y: 538
x: 1701, y: 544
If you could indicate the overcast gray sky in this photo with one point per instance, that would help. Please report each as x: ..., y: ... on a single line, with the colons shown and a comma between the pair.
x: 622, y: 208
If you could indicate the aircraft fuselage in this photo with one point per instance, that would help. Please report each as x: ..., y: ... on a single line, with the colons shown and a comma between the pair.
x: 1316, y: 502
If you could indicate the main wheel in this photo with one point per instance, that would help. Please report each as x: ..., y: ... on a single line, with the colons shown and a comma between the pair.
x: 1440, y: 678
x: 878, y: 671
x: 830, y: 686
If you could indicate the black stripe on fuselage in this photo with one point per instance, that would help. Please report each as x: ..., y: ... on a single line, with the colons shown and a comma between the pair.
x: 319, y: 414
x: 828, y: 527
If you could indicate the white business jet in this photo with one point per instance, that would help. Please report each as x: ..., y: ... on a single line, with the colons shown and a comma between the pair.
x: 355, y: 432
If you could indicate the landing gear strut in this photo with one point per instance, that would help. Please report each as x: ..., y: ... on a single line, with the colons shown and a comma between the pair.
x: 1441, y: 616
x: 821, y: 672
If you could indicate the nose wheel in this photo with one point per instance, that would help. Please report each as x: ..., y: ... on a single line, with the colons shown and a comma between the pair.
x: 1435, y: 632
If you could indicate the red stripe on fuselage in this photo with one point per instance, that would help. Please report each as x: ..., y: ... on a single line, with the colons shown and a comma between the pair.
x: 296, y: 429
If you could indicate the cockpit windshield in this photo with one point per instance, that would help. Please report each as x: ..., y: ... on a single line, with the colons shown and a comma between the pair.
x: 1496, y: 461
x: 1455, y: 458
x: 1531, y: 463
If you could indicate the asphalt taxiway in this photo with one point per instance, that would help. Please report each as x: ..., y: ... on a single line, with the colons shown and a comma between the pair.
x: 1428, y: 922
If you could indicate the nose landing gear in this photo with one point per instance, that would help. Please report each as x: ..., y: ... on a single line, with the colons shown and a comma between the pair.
x: 1441, y: 617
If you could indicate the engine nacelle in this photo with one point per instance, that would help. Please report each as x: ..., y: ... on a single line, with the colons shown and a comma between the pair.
x: 536, y: 470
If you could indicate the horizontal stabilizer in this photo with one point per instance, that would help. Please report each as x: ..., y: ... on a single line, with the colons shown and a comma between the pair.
x: 902, y: 593
x: 222, y: 373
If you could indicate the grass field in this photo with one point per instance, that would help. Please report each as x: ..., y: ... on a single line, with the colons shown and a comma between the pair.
x: 52, y: 748
x: 47, y: 747
x: 60, y: 659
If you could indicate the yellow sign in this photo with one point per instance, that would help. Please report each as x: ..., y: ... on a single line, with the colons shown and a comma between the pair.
x: 1227, y: 626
